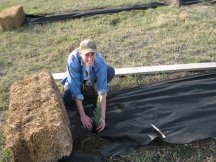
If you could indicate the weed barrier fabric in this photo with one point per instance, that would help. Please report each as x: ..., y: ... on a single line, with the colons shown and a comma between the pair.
x: 37, y: 19
x: 42, y: 19
x: 183, y: 110
x: 191, y: 2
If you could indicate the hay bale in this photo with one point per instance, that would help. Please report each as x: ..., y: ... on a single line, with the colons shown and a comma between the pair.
x: 38, y: 126
x: 12, y: 17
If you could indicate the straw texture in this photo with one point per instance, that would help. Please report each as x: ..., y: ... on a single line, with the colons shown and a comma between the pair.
x: 38, y: 126
x: 12, y: 17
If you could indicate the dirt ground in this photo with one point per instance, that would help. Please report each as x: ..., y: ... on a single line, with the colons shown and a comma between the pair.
x: 90, y: 143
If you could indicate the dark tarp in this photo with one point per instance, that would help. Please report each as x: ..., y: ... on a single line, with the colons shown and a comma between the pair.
x: 37, y: 19
x: 190, y: 2
x: 42, y: 19
x: 183, y: 109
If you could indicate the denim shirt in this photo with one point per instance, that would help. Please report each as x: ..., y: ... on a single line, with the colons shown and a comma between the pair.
x: 75, y: 74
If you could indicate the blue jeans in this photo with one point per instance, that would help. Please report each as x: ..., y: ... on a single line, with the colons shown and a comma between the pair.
x: 67, y: 97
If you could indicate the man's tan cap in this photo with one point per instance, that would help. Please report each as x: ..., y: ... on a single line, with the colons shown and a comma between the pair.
x: 88, y: 45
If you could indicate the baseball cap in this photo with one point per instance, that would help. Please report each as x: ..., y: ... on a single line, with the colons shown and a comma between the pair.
x: 88, y: 45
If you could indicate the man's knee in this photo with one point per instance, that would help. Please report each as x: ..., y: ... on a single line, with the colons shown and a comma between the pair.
x: 110, y: 73
x: 67, y: 97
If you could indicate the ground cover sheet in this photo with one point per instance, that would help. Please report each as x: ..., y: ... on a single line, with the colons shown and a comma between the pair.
x: 182, y: 109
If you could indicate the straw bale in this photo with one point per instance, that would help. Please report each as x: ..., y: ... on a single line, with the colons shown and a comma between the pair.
x: 38, y: 126
x: 12, y: 17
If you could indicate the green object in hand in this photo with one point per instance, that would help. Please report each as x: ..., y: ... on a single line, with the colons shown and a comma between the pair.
x: 97, y: 111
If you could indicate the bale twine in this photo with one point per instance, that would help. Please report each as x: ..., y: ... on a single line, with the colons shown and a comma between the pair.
x: 12, y: 17
x: 38, y: 126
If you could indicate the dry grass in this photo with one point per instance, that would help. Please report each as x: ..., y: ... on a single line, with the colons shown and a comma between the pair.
x: 201, y: 151
x: 44, y: 7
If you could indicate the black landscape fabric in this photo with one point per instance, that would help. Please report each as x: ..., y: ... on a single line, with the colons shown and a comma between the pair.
x: 37, y: 19
x: 42, y: 19
x: 182, y: 109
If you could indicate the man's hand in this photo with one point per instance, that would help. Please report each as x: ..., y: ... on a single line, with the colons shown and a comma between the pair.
x: 101, y: 124
x: 86, y: 121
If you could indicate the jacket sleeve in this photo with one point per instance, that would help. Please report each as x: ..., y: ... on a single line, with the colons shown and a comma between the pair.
x: 74, y: 80
x: 101, y: 75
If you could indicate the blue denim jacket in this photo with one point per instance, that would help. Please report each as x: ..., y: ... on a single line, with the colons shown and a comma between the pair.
x: 75, y: 74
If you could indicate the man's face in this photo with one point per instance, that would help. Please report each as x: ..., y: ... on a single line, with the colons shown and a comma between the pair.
x: 88, y: 58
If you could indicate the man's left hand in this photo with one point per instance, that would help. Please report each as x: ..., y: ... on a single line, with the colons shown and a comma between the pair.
x: 101, y: 124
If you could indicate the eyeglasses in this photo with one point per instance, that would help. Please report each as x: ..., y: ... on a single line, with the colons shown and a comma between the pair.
x: 90, y: 54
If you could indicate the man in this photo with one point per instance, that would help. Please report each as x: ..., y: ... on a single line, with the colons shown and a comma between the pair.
x: 86, y: 65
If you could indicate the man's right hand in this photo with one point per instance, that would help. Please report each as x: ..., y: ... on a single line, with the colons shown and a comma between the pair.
x: 86, y: 121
